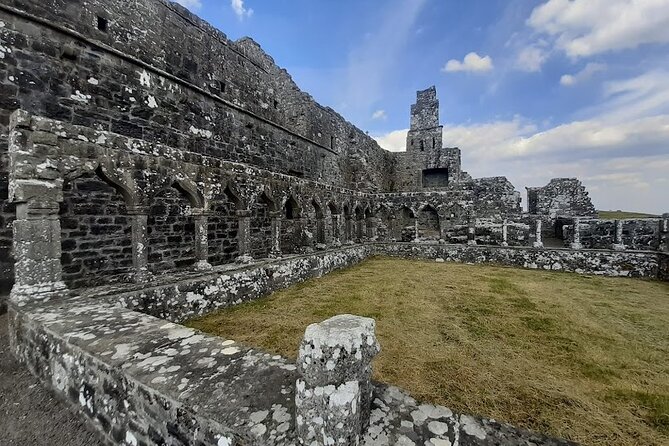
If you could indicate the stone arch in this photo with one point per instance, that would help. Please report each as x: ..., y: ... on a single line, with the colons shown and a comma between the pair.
x: 96, y: 231
x: 428, y: 223
x: 189, y: 190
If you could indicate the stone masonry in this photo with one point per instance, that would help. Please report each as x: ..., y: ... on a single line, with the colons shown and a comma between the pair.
x: 153, y: 169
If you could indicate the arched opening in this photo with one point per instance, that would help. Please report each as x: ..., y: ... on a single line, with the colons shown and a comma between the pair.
x: 406, y: 225
x: 291, y: 209
x: 261, y: 226
x: 222, y: 227
x: 171, y: 230
x: 291, y: 230
x: 96, y: 232
x: 428, y: 223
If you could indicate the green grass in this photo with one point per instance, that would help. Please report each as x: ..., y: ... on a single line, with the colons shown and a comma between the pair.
x: 580, y: 357
x: 621, y: 215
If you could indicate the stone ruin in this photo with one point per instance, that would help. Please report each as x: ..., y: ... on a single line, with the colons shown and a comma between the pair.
x: 154, y: 170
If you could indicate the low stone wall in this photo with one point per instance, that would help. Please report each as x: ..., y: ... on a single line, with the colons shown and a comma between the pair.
x: 179, y: 300
x: 585, y: 261
x: 140, y: 380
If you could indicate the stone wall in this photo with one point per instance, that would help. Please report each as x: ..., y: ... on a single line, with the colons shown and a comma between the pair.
x: 637, y: 234
x: 597, y: 262
x: 560, y: 197
x: 177, y: 301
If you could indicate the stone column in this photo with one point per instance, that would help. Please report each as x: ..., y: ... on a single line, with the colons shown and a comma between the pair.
x: 537, y: 235
x: 302, y: 242
x: 471, y: 232
x: 392, y: 229
x: 201, y: 219
x: 275, y: 244
x: 37, y: 267
x: 576, y: 240
x: 139, y: 216
x: 505, y: 240
x: 372, y: 227
x: 416, y: 236
x: 336, y: 230
x: 618, y: 244
x: 244, y: 236
x: 334, y: 391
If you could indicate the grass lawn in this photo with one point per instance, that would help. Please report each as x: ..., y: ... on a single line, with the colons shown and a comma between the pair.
x: 579, y: 357
x: 621, y: 215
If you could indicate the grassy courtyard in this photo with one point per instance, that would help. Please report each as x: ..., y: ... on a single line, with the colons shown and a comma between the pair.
x: 580, y: 357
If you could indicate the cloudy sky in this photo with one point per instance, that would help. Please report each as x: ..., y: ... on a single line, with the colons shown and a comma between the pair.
x: 529, y: 89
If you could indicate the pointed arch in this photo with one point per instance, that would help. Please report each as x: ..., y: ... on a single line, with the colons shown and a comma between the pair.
x: 291, y: 208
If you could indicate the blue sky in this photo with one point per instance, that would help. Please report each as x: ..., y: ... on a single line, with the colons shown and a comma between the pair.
x: 529, y: 89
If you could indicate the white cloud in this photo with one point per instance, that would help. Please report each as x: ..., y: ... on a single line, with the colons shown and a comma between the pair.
x: 240, y: 10
x: 394, y: 141
x: 190, y: 4
x: 586, y: 73
x: 584, y: 28
x: 531, y: 58
x: 472, y: 63
x: 379, y: 114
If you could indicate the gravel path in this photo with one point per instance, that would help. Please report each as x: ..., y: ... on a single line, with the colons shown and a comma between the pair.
x: 29, y: 414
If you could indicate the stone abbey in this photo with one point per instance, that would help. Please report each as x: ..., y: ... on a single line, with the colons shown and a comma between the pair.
x: 154, y: 170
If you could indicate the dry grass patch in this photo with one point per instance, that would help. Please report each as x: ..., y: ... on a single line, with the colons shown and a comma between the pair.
x: 579, y: 357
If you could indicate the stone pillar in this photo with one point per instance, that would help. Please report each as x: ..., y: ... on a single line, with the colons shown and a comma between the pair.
x: 416, y: 236
x: 201, y: 219
x: 392, y: 229
x: 576, y: 239
x: 372, y: 228
x: 139, y: 216
x: 664, y: 233
x: 537, y: 235
x: 37, y: 268
x: 244, y: 236
x: 471, y: 232
x: 336, y: 229
x: 300, y: 238
x: 618, y: 244
x: 275, y: 245
x: 505, y: 239
x: 334, y: 391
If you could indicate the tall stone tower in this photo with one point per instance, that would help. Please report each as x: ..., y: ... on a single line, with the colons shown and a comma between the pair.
x: 425, y: 134
x: 427, y: 164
